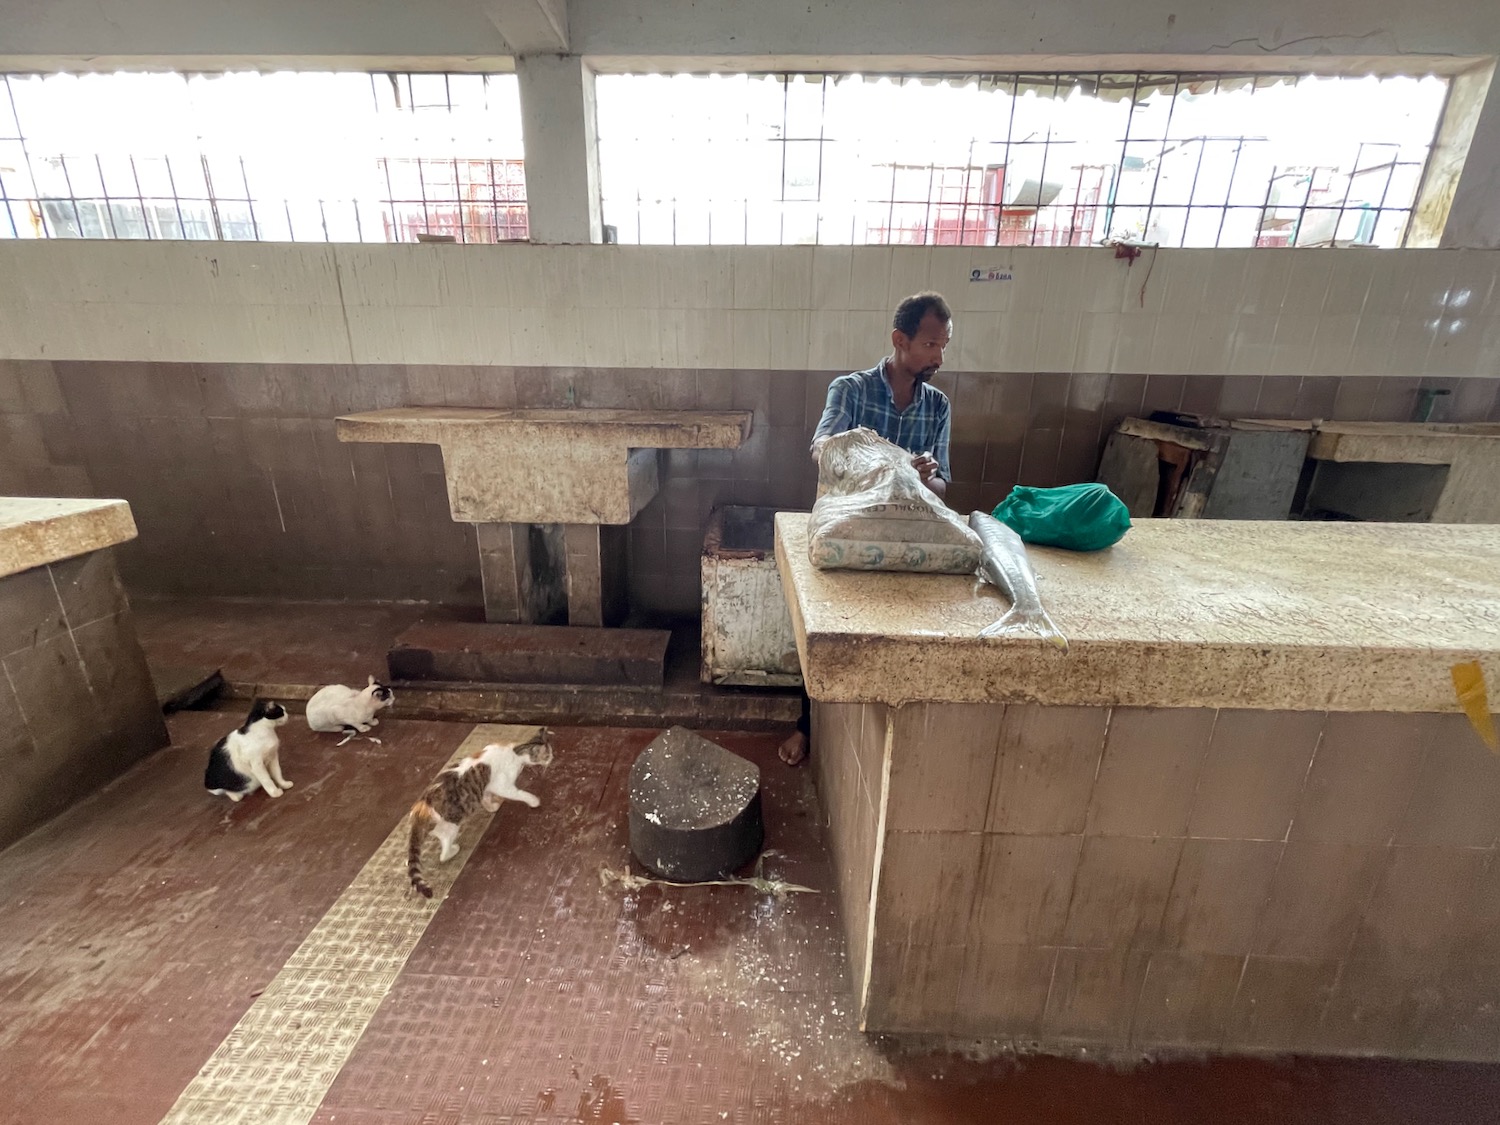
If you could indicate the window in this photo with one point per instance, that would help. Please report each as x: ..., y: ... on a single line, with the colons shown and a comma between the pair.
x: 298, y: 157
x: 1039, y: 160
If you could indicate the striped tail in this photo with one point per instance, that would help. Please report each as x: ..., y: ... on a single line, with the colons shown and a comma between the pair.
x: 421, y: 823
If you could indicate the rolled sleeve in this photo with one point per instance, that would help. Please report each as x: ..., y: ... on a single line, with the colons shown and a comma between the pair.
x: 838, y: 410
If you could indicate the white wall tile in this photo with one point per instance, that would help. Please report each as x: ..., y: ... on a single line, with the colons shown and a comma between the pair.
x: 792, y: 278
x: 751, y: 270
x: 790, y: 340
x: 1136, y: 340
x: 1056, y: 338
x: 1349, y: 281
x: 751, y: 345
x: 1292, y: 349
x: 1172, y: 344
x: 869, y: 278
x: 830, y: 277
x: 828, y: 340
x: 1263, y: 286
x: 910, y: 273
x: 1015, y: 344
x: 1097, y: 331
x: 1333, y: 341
x: 1373, y: 339
x: 1212, y: 344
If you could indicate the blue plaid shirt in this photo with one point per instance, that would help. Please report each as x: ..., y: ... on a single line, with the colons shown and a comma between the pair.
x: 864, y: 399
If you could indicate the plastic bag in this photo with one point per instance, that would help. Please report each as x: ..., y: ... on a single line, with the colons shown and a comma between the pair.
x: 874, y: 513
x: 1078, y: 517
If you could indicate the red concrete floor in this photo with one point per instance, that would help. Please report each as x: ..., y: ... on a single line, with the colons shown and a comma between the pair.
x: 137, y: 928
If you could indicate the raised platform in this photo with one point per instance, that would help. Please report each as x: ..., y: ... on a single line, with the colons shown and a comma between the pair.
x: 287, y: 650
x: 469, y: 652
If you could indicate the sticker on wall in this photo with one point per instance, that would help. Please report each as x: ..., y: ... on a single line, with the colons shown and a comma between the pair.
x: 996, y: 273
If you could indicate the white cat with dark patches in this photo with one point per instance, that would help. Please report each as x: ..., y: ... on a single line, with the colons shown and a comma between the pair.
x: 338, y: 708
x: 480, y: 780
x: 247, y: 759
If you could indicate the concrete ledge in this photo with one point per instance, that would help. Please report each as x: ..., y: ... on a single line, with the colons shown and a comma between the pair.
x: 35, y: 531
x: 1182, y: 613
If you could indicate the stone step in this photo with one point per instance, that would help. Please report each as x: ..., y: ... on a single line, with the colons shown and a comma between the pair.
x: 482, y: 653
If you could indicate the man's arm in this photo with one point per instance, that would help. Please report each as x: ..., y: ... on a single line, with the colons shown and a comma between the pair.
x: 934, y: 468
x: 838, y: 415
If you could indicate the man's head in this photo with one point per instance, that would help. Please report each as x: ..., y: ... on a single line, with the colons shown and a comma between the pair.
x: 920, y: 330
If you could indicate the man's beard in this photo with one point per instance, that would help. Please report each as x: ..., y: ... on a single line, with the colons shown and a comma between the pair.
x: 926, y: 374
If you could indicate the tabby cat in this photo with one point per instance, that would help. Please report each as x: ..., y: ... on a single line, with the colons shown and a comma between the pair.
x: 485, y: 778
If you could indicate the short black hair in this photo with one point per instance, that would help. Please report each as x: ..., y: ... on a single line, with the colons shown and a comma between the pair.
x: 911, y: 312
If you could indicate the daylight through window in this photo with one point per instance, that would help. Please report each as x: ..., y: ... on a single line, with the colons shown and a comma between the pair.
x: 304, y: 157
x: 1030, y: 160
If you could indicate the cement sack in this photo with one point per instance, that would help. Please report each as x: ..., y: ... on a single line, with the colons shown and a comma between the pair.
x: 874, y: 513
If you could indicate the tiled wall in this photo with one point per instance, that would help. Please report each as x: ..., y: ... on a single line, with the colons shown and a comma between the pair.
x: 77, y: 705
x: 790, y: 308
x: 1280, y: 881
x: 239, y: 486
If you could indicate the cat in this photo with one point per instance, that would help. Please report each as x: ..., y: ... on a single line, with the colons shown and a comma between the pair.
x: 246, y: 759
x: 485, y: 778
x: 338, y: 708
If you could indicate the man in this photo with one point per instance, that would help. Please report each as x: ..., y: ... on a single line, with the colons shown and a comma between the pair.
x: 895, y: 399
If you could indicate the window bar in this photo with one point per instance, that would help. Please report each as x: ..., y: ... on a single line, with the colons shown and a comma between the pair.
x: 890, y: 219
x: 1041, y: 183
x: 1384, y: 191
x: 786, y: 97
x: 249, y: 203
x: 390, y: 191
x: 140, y: 196
x: 1266, y: 207
x: 1234, y: 170
x: 72, y: 195
x: 213, y: 198
x: 1193, y: 190
x: 1010, y: 129
x: 458, y: 187
x: 1338, y: 222
x: 15, y: 115
x: 1161, y: 160
x: 822, y: 140
x: 176, y: 200
x: 1312, y: 180
x: 359, y: 226
x: 1109, y: 212
x: 109, y: 212
x: 323, y: 217
x: 928, y: 233
x: 286, y: 205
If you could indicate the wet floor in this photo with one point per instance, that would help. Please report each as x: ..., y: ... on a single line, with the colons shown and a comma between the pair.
x: 138, y: 929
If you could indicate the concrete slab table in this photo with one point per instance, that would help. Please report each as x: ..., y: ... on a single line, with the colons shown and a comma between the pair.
x: 549, y: 493
x: 1245, y: 812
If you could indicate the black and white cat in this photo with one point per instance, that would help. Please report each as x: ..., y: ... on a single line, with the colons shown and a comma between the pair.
x: 246, y: 759
x: 338, y: 708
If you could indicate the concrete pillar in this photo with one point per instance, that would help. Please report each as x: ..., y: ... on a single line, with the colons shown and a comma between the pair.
x: 1474, y: 216
x: 562, y: 154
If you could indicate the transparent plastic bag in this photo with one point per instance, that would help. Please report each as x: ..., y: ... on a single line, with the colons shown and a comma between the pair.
x: 874, y: 513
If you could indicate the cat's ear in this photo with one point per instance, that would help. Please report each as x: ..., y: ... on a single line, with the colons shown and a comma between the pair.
x: 371, y: 682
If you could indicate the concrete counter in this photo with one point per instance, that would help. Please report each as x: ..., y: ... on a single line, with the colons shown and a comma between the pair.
x: 1181, y: 613
x: 77, y: 705
x: 1242, y: 814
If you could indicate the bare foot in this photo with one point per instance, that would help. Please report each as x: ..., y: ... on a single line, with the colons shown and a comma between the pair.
x: 794, y: 750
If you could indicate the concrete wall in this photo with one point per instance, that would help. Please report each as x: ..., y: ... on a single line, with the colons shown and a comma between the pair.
x: 1142, y: 879
x: 200, y: 382
x: 77, y: 706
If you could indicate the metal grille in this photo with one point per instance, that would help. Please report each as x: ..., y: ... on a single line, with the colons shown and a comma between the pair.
x: 299, y: 157
x: 1040, y: 159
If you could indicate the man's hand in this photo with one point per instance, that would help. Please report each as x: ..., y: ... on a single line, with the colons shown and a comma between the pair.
x: 928, y: 468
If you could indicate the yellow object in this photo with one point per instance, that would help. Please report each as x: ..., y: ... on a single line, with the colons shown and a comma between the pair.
x: 1468, y: 682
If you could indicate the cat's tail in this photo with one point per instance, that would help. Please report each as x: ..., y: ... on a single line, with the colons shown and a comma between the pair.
x: 422, y: 817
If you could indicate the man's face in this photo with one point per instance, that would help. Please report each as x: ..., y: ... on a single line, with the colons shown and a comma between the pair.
x: 922, y: 354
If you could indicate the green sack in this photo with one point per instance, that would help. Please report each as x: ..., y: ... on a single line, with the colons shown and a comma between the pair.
x: 1080, y: 517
